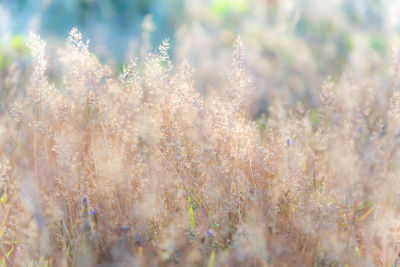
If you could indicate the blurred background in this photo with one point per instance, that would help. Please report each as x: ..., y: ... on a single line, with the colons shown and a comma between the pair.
x: 292, y: 46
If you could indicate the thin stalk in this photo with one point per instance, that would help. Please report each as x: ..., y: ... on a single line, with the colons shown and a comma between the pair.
x: 35, y: 147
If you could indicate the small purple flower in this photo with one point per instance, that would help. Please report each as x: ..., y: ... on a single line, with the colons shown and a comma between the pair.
x: 125, y: 228
x: 92, y: 212
x: 208, y: 233
x: 360, y: 130
x: 85, y: 201
x: 289, y: 141
x: 138, y: 239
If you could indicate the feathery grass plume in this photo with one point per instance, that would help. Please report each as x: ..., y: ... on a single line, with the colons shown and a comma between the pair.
x: 178, y: 177
x: 241, y: 85
x: 39, y: 81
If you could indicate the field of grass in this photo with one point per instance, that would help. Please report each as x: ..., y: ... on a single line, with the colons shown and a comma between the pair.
x: 157, y: 164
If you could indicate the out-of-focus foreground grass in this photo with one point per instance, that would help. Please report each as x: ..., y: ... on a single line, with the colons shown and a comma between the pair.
x: 207, y: 153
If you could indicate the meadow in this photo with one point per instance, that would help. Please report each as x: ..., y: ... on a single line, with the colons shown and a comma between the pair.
x: 161, y: 162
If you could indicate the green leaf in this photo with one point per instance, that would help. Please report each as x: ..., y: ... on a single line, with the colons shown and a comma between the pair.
x: 191, y: 214
x: 3, y: 198
x: 2, y: 230
x: 357, y: 252
x: 9, y: 252
x: 67, y: 252
x: 211, y: 261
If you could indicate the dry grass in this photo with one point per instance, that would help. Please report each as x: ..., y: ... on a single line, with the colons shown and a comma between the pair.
x: 141, y: 169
